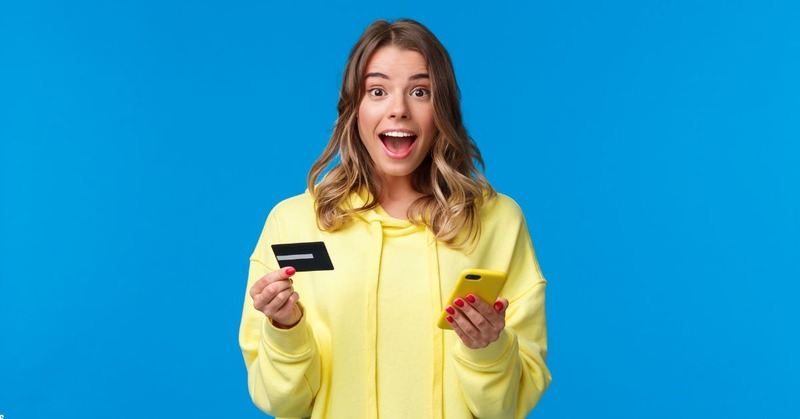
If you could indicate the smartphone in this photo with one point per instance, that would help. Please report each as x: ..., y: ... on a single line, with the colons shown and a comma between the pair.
x: 479, y: 282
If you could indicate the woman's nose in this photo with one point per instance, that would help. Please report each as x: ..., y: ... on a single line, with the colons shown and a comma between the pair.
x: 399, y: 108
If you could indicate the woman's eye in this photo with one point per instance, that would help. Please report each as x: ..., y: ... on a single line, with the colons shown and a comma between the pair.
x: 376, y: 91
x: 421, y: 93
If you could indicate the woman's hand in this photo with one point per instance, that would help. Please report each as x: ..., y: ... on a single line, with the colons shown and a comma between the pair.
x: 475, y: 322
x: 274, y: 296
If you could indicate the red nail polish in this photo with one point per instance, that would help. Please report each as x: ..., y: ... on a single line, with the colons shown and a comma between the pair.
x: 290, y: 271
x: 471, y: 298
x: 498, y: 306
x: 459, y: 302
x: 450, y: 310
x: 449, y: 319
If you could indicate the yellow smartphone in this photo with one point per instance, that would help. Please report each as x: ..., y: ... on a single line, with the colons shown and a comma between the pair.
x: 480, y: 282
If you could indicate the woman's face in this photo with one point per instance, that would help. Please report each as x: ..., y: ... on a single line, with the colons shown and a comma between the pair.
x: 395, y: 117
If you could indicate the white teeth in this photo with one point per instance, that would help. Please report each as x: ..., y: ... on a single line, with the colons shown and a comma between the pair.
x: 397, y: 134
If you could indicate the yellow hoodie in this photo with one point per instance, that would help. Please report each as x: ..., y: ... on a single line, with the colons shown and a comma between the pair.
x: 367, y: 345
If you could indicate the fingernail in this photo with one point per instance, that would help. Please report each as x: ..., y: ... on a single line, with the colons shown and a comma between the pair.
x: 290, y: 271
x: 471, y: 298
x: 450, y: 310
x: 459, y: 302
x: 498, y: 306
x: 449, y: 319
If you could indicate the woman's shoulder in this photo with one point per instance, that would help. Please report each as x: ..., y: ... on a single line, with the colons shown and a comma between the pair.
x: 295, y: 205
x: 501, y: 207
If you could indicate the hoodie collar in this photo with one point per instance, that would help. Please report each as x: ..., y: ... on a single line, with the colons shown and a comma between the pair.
x: 391, y: 226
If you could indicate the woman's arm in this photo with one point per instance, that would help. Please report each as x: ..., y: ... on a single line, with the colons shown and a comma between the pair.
x: 507, y: 377
x: 283, y: 365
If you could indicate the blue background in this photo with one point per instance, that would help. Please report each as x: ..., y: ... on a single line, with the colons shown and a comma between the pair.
x: 652, y: 145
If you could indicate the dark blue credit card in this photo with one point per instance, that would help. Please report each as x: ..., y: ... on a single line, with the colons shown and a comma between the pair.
x: 309, y: 256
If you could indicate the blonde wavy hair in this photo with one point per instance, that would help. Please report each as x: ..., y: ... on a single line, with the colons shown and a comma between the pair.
x: 453, y: 188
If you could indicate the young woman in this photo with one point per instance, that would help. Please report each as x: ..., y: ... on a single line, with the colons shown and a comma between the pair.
x: 398, y: 201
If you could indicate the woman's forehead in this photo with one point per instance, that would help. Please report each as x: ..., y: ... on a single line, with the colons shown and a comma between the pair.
x: 391, y: 61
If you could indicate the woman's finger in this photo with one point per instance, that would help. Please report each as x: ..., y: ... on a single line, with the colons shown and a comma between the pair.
x: 287, y: 309
x: 493, y: 318
x: 275, y: 304
x: 280, y: 274
x: 477, y: 323
x: 460, y: 332
x: 265, y: 301
x: 470, y: 333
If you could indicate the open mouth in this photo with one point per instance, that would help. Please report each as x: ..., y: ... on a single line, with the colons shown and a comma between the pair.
x: 397, y: 143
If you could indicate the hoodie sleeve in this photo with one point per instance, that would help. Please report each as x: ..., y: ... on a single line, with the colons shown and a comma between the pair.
x: 506, y: 379
x: 283, y: 365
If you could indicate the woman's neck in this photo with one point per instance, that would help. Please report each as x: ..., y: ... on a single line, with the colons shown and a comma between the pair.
x: 397, y: 196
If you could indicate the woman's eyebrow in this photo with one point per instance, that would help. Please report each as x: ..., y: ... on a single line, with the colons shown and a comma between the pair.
x: 384, y: 76
x: 379, y: 75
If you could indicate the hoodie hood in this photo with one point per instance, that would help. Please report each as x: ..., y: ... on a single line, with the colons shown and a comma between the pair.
x: 377, y: 216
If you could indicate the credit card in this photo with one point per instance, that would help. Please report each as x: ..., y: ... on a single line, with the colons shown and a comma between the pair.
x: 310, y: 256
